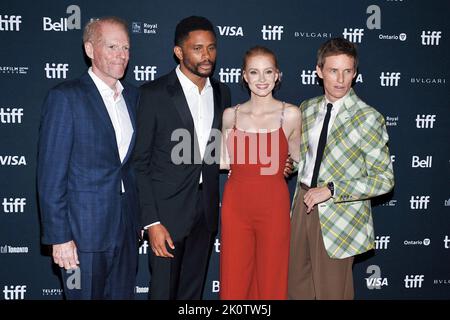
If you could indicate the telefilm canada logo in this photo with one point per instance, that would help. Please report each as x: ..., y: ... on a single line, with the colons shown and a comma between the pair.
x: 21, y: 70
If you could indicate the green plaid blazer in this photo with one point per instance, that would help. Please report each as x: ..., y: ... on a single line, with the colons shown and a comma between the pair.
x: 356, y: 159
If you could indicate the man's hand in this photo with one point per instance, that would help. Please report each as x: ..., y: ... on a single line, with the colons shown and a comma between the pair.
x: 65, y: 255
x: 158, y: 236
x: 289, y: 167
x: 315, y: 196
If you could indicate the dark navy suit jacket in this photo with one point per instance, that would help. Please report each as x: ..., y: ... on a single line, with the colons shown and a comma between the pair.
x: 79, y: 168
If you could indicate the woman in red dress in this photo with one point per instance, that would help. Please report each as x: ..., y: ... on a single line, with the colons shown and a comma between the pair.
x: 258, y: 136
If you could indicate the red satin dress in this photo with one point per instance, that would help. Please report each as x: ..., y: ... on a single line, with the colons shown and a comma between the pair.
x: 255, y: 222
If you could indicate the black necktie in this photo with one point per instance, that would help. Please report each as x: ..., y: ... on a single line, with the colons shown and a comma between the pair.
x: 321, y: 146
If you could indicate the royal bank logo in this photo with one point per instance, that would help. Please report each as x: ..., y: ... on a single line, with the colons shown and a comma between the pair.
x: 312, y: 34
x: 381, y: 242
x: 56, y: 70
x: 144, y: 27
x: 425, y: 121
x: 229, y: 75
x: 144, y: 247
x: 230, y: 31
x: 144, y: 73
x: 353, y: 34
x: 270, y: 32
x: 391, y: 121
x: 309, y: 77
x: 430, y: 38
x: 10, y: 22
x: 14, y: 292
x: 71, y: 22
x: 13, y: 70
x: 389, y: 79
x: 14, y: 205
x: 414, y: 281
x: 13, y: 161
x: 421, y: 163
x: 375, y: 280
x: 11, y: 115
x: 425, y: 242
x: 12, y: 249
x: 419, y: 202
x: 400, y: 37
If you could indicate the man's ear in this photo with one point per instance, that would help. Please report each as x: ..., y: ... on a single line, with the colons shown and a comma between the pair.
x: 319, y: 72
x: 89, y: 49
x: 178, y: 52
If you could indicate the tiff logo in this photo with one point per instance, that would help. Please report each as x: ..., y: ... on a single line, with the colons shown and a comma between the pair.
x: 353, y: 35
x: 72, y: 22
x: 375, y: 281
x: 10, y: 23
x: 56, y: 70
x: 419, y: 202
x: 11, y: 115
x: 14, y: 205
x: 231, y: 31
x: 381, y: 242
x: 425, y: 163
x: 14, y: 292
x: 309, y: 77
x: 414, y: 281
x: 425, y: 121
x: 144, y: 73
x: 430, y: 38
x: 229, y: 75
x: 446, y: 242
x: 272, y: 32
x: 143, y: 247
x: 390, y: 79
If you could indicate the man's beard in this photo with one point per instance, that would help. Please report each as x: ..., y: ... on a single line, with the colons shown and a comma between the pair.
x: 195, y: 70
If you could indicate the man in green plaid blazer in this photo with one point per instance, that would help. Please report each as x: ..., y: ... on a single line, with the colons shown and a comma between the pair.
x: 344, y: 162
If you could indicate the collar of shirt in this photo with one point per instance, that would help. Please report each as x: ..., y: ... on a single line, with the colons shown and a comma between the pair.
x: 103, y: 88
x: 336, y: 105
x: 188, y: 85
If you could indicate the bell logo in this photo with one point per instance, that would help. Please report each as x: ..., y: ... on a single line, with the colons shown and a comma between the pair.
x: 309, y: 77
x: 425, y: 163
x: 229, y: 75
x: 419, y: 202
x: 71, y: 22
x: 56, y: 70
x: 425, y: 121
x: 215, y: 287
x: 353, y: 35
x: 381, y: 242
x: 390, y: 79
x: 144, y: 73
x: 430, y: 38
x: 10, y: 23
x: 272, y: 32
x: 414, y: 281
x: 231, y: 31
x: 14, y: 292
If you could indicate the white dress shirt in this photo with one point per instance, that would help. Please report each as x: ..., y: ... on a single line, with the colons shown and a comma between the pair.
x: 118, y: 113
x: 201, y: 105
x: 314, y: 135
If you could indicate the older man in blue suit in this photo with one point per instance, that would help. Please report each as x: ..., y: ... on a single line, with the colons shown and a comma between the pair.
x: 87, y: 193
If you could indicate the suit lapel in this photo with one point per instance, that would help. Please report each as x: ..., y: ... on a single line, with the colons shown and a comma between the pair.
x: 179, y: 100
x: 341, y: 122
x: 99, y: 107
x: 129, y: 104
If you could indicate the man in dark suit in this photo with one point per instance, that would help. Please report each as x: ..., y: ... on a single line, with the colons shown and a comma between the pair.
x: 87, y: 193
x: 179, y: 191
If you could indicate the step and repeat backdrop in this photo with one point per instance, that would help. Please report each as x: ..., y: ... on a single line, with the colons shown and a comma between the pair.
x: 403, y: 73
